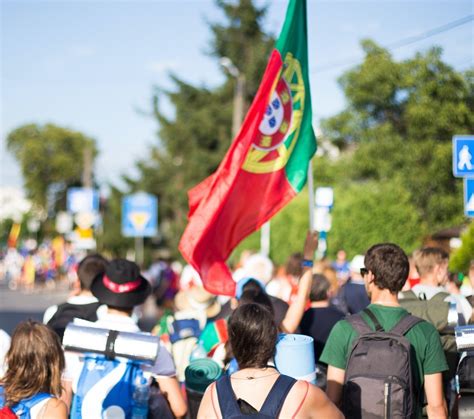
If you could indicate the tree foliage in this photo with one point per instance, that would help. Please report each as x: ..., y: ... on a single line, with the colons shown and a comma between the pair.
x: 399, y: 123
x: 461, y: 258
x: 49, y: 155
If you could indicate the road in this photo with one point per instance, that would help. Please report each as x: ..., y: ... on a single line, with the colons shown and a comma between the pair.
x: 16, y: 306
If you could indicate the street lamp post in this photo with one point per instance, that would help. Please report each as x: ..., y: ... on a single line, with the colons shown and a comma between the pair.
x: 238, y: 108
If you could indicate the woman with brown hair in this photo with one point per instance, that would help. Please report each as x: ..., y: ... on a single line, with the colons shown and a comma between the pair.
x: 257, y: 387
x: 31, y: 386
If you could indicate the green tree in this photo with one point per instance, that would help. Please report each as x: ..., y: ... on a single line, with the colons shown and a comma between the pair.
x: 399, y: 122
x: 51, y: 159
x: 461, y: 258
x: 373, y: 212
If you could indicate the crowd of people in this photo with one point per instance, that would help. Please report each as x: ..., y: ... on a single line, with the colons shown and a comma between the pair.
x: 32, y: 266
x: 381, y: 325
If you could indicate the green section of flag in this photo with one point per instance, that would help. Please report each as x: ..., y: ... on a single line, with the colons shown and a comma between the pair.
x: 293, y: 40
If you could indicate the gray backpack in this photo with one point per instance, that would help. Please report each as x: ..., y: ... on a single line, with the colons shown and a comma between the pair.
x: 379, y: 378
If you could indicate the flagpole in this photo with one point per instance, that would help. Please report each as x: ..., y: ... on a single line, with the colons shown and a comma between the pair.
x: 311, y: 195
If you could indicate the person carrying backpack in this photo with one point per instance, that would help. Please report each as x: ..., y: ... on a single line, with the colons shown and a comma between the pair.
x: 430, y: 301
x: 381, y: 361
x: 31, y: 386
x: 257, y: 389
x: 107, y: 386
x: 82, y: 305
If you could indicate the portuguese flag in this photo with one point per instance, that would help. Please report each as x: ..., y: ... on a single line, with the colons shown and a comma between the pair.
x: 266, y: 165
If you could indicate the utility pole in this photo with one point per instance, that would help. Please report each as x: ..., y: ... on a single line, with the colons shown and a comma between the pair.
x: 239, y: 96
x: 87, y: 169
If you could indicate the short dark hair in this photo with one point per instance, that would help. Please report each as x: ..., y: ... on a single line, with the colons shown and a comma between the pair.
x: 319, y: 288
x: 89, y: 268
x: 252, y: 292
x: 389, y: 265
x: 252, y: 335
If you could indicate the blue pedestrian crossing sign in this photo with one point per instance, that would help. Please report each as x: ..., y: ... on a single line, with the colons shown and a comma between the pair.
x: 139, y: 215
x: 469, y: 197
x: 463, y: 155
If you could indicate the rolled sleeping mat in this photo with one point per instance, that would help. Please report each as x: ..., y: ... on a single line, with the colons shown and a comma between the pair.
x: 111, y: 343
x: 199, y: 374
x: 295, y: 357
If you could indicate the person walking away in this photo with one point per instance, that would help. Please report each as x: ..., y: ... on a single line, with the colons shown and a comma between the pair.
x: 366, y: 365
x: 31, y: 386
x: 430, y: 301
x: 82, y: 305
x: 121, y: 288
x: 258, y: 388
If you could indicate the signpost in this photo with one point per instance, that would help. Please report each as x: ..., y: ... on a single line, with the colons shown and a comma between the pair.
x: 322, y: 215
x: 463, y: 166
x: 139, y: 219
x: 82, y: 200
x: 469, y: 197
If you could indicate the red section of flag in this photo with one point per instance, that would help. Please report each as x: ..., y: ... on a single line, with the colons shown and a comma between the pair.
x: 233, y: 203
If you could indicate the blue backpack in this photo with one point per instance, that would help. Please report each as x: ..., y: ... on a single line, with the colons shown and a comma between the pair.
x: 22, y: 409
x: 105, y: 387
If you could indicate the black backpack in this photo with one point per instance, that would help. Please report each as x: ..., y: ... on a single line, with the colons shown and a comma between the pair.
x: 379, y: 379
x: 67, y: 312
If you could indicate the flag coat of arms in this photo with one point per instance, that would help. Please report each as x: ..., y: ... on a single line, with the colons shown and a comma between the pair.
x: 266, y: 165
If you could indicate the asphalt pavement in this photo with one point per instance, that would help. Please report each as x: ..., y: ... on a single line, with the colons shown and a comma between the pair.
x: 16, y: 306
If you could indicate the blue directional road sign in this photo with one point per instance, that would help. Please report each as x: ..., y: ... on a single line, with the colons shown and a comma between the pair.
x: 463, y: 155
x: 82, y: 200
x: 469, y: 197
x: 139, y: 215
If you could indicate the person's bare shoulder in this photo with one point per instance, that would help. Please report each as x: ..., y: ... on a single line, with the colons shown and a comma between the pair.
x: 208, y: 403
x: 54, y: 409
x: 308, y: 401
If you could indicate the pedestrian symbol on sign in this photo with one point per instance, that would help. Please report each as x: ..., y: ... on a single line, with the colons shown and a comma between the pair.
x: 463, y: 155
x: 465, y: 158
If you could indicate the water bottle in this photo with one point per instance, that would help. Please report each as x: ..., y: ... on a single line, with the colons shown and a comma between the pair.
x: 141, y: 394
x: 198, y: 353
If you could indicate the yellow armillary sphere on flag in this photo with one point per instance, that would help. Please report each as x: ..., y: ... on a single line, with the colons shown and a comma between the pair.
x: 280, y: 126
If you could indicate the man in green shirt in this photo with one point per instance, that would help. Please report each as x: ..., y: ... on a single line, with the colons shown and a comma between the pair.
x: 385, y: 273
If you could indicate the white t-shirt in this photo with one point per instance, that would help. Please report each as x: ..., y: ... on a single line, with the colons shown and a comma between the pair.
x: 77, y: 300
x: 462, y: 305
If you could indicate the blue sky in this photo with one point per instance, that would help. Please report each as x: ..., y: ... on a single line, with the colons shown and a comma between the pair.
x: 91, y: 65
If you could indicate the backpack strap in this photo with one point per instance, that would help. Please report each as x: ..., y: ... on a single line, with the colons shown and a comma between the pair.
x: 26, y: 404
x: 409, y: 295
x: 359, y: 324
x: 405, y: 324
x: 277, y: 395
x: 440, y: 296
x: 378, y: 326
x: 225, y: 395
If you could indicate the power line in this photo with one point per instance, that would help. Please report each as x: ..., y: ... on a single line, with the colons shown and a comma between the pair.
x: 400, y: 43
